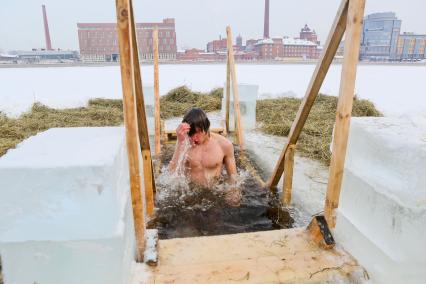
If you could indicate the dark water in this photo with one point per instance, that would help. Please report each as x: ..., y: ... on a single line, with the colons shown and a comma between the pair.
x: 192, y: 211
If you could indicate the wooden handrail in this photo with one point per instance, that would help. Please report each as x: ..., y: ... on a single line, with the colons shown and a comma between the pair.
x: 130, y: 122
x: 148, y: 172
x: 288, y: 175
x: 237, y: 113
x: 344, y: 108
x: 227, y: 92
x: 157, y: 140
x: 330, y: 48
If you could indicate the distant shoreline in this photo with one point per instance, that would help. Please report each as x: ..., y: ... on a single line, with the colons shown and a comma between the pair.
x: 301, y: 62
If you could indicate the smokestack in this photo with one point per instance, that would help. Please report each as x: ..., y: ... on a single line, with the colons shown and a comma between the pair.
x: 266, y: 23
x: 46, y: 29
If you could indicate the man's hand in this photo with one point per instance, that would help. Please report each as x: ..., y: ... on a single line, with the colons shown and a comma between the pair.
x: 233, y: 197
x: 182, y: 131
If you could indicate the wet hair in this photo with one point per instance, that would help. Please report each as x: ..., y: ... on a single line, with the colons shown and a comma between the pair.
x: 197, y: 119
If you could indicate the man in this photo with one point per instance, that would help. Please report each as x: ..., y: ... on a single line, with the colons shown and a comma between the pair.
x: 207, y: 154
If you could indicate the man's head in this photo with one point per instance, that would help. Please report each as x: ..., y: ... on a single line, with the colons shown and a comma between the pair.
x: 199, y: 123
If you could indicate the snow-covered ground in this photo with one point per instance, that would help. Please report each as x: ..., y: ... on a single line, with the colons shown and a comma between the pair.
x: 394, y: 89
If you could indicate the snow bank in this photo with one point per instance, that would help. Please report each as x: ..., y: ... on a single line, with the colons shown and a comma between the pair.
x: 382, y: 213
x: 65, y: 214
x: 395, y: 89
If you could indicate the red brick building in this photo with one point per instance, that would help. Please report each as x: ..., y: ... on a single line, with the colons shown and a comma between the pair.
x: 217, y: 45
x: 299, y: 48
x: 99, y: 41
x: 195, y: 54
x: 310, y: 35
x: 269, y: 49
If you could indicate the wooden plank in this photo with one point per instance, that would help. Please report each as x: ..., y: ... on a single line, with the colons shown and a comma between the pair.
x: 288, y: 175
x: 157, y: 137
x: 227, y: 93
x: 237, y: 113
x: 324, y: 62
x: 130, y: 123
x: 344, y: 108
x: 281, y: 256
x: 148, y: 171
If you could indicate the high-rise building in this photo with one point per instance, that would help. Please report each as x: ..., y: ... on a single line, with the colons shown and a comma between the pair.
x: 379, y: 36
x: 99, y: 41
x: 411, y: 47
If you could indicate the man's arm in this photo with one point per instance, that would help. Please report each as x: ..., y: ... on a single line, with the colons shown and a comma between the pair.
x: 229, y: 161
x: 182, y: 134
x: 233, y: 196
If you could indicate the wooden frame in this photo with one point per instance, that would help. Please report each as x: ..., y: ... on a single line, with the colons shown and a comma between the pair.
x: 130, y: 121
x: 157, y: 137
x: 349, y: 17
x: 148, y: 172
x: 330, y: 48
x: 233, y: 76
x: 344, y: 108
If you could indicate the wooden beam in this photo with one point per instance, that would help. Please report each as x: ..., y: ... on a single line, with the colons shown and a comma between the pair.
x: 130, y: 122
x: 148, y: 172
x: 344, y: 107
x: 324, y: 62
x: 157, y: 140
x: 237, y: 113
x: 288, y: 175
x: 227, y: 93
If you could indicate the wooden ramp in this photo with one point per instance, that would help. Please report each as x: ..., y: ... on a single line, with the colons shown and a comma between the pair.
x: 282, y: 256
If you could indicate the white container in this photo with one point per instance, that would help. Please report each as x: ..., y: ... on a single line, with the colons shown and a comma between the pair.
x: 248, y: 96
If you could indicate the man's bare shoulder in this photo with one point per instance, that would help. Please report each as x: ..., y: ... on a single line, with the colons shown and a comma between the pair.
x: 224, y: 143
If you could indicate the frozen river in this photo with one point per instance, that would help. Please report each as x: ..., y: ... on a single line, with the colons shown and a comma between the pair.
x: 395, y: 89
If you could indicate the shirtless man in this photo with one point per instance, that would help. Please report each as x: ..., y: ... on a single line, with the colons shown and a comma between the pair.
x: 208, y: 154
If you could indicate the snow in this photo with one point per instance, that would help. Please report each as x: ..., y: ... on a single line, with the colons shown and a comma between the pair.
x: 395, y: 89
x: 65, y: 213
x: 384, y: 173
x: 296, y: 41
x: 150, y: 254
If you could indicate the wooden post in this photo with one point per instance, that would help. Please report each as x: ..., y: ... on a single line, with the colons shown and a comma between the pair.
x: 344, y: 108
x: 330, y: 48
x: 288, y: 175
x: 237, y: 113
x: 156, y: 95
x: 148, y: 172
x: 130, y: 122
x: 227, y: 93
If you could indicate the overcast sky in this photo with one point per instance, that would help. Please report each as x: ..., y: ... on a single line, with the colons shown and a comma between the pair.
x: 197, y: 21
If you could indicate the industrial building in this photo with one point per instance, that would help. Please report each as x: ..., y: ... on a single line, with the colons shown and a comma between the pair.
x: 99, y: 43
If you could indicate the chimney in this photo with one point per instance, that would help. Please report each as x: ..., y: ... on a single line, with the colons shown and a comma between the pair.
x: 46, y: 29
x: 266, y: 23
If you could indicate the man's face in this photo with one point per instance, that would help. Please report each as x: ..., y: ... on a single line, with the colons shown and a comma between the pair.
x: 198, y: 137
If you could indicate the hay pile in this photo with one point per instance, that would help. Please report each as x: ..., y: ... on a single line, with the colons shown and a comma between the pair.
x: 275, y: 116
x: 181, y: 99
x: 99, y: 112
